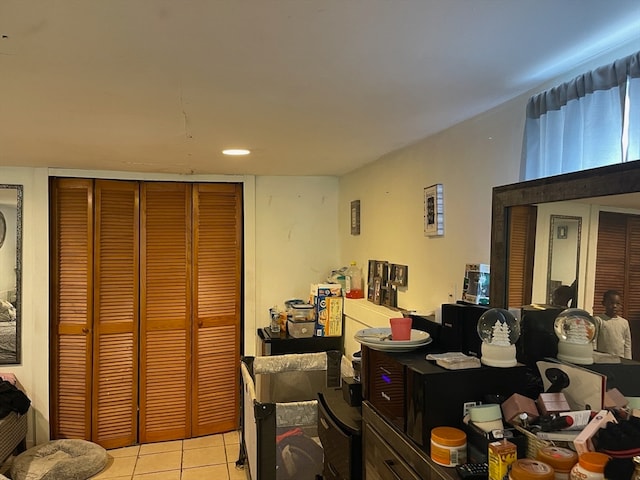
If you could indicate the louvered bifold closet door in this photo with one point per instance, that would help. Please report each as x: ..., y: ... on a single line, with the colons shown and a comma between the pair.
x: 115, y: 352
x: 165, y: 312
x: 217, y: 263
x: 632, y: 296
x: 520, y: 254
x: 611, y: 257
x: 71, y: 276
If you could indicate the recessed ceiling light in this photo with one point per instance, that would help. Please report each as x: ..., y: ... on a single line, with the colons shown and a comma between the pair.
x: 236, y: 151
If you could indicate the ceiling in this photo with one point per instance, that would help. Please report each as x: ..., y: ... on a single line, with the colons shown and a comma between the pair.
x: 312, y: 87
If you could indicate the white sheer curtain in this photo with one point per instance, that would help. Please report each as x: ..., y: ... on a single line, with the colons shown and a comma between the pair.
x: 591, y: 121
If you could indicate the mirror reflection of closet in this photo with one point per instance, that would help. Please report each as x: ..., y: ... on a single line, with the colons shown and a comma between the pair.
x: 564, y: 259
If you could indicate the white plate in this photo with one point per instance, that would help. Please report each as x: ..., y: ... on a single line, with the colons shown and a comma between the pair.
x: 389, y: 346
x: 382, y: 336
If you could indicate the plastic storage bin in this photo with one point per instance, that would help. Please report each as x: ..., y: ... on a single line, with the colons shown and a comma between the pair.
x: 300, y: 329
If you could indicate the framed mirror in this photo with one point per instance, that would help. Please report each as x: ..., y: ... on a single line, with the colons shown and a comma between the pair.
x: 564, y: 260
x: 613, y: 188
x: 10, y: 272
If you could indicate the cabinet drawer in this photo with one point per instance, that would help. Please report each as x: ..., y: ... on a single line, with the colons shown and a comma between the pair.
x: 381, y: 462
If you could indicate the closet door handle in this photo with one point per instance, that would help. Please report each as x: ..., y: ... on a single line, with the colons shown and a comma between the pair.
x: 85, y: 330
x: 200, y: 323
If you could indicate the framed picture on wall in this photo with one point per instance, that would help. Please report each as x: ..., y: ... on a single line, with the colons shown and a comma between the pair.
x: 434, y: 210
x: 355, y: 217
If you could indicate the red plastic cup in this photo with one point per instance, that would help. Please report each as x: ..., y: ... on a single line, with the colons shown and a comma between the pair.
x: 401, y: 328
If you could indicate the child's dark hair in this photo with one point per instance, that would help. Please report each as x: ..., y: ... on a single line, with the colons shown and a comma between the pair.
x: 609, y: 294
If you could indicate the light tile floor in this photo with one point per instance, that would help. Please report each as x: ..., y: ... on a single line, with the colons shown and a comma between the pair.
x: 211, y: 457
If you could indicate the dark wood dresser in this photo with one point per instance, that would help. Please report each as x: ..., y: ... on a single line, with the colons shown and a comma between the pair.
x: 389, y: 455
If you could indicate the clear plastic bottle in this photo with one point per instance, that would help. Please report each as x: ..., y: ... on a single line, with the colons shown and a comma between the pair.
x: 353, y: 277
x: 275, y: 320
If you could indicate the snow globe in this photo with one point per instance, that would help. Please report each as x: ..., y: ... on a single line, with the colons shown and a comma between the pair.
x: 576, y: 330
x: 499, y: 331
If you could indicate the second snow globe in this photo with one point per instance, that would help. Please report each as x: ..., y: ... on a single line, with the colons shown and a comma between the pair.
x: 576, y: 330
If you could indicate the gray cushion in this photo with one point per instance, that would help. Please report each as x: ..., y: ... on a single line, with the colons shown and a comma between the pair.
x: 60, y: 459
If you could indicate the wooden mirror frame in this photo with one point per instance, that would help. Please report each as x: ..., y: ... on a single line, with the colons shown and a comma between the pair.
x: 610, y: 180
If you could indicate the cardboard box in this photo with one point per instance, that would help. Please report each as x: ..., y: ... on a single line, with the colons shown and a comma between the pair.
x: 516, y: 404
x: 327, y: 301
x: 501, y: 454
x: 552, y: 403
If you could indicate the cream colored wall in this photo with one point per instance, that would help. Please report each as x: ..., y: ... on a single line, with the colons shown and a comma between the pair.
x: 297, y: 244
x: 469, y: 159
x: 292, y: 252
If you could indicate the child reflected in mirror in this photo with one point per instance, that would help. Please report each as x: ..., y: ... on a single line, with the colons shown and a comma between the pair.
x: 614, y: 334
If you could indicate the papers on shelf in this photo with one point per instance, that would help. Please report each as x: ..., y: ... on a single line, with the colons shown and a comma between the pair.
x: 454, y: 360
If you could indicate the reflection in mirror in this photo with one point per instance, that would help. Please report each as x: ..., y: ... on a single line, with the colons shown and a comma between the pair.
x: 586, y: 194
x: 10, y: 272
x: 564, y: 260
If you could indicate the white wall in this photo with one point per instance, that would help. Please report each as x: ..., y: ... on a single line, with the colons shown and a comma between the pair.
x: 297, y: 238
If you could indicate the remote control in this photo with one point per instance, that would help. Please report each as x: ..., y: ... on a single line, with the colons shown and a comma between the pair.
x: 473, y: 471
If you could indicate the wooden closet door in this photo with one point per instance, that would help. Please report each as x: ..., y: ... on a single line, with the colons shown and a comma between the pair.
x: 115, y: 318
x: 165, y: 312
x: 521, y: 245
x: 71, y: 307
x: 217, y: 255
x: 611, y: 257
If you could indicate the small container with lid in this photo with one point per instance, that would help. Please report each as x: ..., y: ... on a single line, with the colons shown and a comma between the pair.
x: 590, y: 466
x: 561, y: 460
x: 302, y: 312
x: 448, y: 446
x: 529, y: 469
x: 487, y: 416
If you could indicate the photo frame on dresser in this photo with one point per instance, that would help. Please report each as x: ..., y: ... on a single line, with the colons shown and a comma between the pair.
x: 398, y: 275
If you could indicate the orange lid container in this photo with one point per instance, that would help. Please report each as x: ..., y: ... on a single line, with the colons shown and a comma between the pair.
x: 448, y: 436
x: 593, y: 461
x: 529, y: 469
x: 561, y: 459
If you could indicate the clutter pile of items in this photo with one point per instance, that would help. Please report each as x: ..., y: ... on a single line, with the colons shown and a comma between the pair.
x: 574, y: 429
x: 321, y: 316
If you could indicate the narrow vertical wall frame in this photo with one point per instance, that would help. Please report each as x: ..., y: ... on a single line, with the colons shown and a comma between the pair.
x: 434, y: 210
x: 355, y: 217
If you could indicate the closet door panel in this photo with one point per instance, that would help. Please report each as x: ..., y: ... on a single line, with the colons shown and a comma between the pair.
x: 115, y: 361
x: 71, y: 276
x: 217, y: 274
x: 165, y: 312
x: 611, y: 257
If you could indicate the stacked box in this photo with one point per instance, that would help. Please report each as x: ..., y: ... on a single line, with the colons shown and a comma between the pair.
x: 327, y: 301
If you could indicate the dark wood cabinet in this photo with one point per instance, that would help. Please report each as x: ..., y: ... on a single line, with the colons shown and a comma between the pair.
x: 389, y: 455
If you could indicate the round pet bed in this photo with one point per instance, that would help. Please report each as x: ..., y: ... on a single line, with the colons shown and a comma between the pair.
x: 58, y: 459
